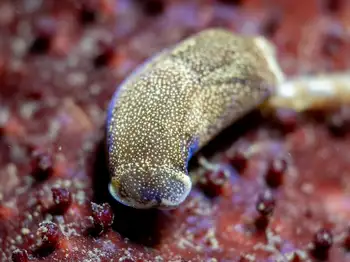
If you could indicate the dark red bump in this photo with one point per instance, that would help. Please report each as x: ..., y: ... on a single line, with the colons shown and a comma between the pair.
x: 46, y: 28
x: 338, y: 125
x: 272, y: 24
x: 153, y: 7
x: 48, y: 235
x: 41, y: 164
x: 295, y: 258
x: 88, y: 224
x: 265, y: 205
x: 40, y: 45
x: 103, y: 216
x: 213, y: 183
x: 128, y: 260
x: 104, y: 58
x: 62, y: 200
x: 20, y: 255
x: 333, y: 5
x: 232, y: 2
x: 34, y: 94
x: 276, y: 172
x: 346, y: 242
x: 87, y: 15
x: 244, y: 258
x: 323, y: 241
x: 238, y: 160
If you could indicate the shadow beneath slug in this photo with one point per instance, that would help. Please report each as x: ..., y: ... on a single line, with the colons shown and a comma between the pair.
x: 228, y: 136
x: 140, y: 226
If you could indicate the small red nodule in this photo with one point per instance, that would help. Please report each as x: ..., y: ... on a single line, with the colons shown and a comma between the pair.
x: 214, y: 182
x: 265, y: 205
x: 238, y: 160
x: 62, y: 200
x: 48, y: 235
x: 103, y: 216
x: 338, y: 124
x: 41, y: 165
x: 323, y: 240
x: 20, y: 255
x: 153, y: 7
x: 275, y: 173
x: 346, y: 241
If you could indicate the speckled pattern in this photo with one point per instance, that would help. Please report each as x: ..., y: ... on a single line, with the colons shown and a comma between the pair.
x: 176, y: 103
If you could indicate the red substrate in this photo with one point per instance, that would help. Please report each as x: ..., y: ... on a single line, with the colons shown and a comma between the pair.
x: 60, y: 62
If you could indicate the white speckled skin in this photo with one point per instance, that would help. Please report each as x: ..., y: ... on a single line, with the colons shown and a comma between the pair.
x: 177, y: 102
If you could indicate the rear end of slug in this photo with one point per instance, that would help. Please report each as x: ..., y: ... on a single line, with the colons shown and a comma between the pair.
x: 174, y: 104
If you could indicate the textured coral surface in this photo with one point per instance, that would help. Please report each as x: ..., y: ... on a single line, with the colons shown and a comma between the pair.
x: 278, y: 190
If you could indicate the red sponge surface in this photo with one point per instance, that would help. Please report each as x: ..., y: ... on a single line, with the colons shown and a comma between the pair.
x: 61, y: 61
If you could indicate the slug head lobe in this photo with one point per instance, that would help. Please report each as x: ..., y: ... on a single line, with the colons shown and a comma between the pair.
x: 162, y: 188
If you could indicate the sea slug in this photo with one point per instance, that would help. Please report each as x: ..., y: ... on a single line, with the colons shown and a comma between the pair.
x: 174, y: 104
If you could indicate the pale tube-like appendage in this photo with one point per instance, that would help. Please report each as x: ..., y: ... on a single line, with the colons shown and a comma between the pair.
x: 312, y: 92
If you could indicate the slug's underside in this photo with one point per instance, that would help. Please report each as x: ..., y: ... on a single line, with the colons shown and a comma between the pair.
x: 177, y: 102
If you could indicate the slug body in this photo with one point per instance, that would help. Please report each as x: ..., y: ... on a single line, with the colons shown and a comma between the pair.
x: 174, y: 104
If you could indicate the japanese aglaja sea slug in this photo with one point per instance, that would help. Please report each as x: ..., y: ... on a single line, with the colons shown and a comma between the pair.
x: 174, y: 104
